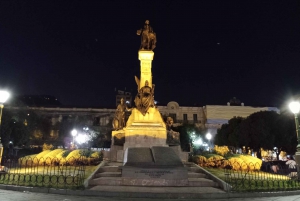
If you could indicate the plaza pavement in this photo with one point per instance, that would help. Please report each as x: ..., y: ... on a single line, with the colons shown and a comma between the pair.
x: 9, y: 195
x: 19, y: 193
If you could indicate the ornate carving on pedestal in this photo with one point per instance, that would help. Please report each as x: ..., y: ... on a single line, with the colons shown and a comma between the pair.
x: 145, y: 98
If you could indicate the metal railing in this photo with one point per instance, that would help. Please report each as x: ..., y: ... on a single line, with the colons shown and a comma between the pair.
x: 254, y: 177
x: 44, y: 172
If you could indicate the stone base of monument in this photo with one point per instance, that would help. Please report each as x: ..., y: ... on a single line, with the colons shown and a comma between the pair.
x: 155, y: 166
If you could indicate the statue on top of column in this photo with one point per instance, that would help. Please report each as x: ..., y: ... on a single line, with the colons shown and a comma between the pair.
x: 148, y: 37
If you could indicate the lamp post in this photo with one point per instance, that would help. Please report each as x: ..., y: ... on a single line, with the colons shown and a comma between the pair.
x: 295, y: 107
x: 4, y: 95
x: 208, y: 136
x: 74, y: 133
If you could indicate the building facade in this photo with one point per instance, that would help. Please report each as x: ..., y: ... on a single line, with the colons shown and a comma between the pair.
x: 211, y: 117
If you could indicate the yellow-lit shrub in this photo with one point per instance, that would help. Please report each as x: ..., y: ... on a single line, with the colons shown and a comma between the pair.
x: 215, y: 161
x: 51, y: 157
x: 200, y: 160
x: 39, y: 159
x: 75, y: 156
x: 237, y: 163
x: 245, y: 162
x: 27, y: 160
x: 225, y: 164
x: 221, y: 150
x: 47, y: 147
x: 253, y: 163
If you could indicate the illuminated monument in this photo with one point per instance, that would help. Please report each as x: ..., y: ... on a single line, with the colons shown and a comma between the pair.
x: 145, y: 126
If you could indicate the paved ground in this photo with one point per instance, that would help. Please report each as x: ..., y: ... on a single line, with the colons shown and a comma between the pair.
x: 7, y: 195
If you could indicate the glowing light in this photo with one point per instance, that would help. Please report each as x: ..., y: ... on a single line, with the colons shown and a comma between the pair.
x: 294, y: 107
x: 81, y: 138
x: 74, y: 132
x: 198, y: 141
x: 4, y: 95
x: 208, y: 136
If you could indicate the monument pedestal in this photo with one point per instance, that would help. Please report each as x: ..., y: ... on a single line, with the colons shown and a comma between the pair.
x: 156, y: 166
x: 117, y: 142
x: 145, y: 131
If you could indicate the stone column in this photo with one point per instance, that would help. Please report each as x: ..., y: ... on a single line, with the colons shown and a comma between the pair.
x: 146, y: 58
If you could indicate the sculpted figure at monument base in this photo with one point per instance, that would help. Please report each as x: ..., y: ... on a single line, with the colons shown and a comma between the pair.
x: 119, y: 119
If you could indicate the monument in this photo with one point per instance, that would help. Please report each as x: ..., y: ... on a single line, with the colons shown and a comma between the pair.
x: 145, y: 127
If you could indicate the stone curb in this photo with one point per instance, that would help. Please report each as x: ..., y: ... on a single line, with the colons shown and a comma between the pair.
x: 186, y: 195
x: 86, y: 181
x: 225, y: 186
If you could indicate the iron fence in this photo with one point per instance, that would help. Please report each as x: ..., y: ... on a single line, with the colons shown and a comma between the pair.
x: 269, y: 176
x: 44, y: 172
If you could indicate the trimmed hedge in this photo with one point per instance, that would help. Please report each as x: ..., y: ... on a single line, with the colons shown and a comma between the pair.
x: 62, y: 157
x: 236, y: 162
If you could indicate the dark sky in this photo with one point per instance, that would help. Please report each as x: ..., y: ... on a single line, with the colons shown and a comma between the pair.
x: 207, y: 51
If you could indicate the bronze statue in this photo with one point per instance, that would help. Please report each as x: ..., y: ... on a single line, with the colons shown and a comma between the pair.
x: 173, y: 137
x: 145, y: 98
x: 148, y: 37
x: 169, y: 123
x: 119, y: 119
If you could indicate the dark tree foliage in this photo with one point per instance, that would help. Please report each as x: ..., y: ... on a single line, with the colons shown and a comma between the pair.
x: 185, y: 131
x: 265, y: 129
x: 229, y: 133
x: 16, y: 127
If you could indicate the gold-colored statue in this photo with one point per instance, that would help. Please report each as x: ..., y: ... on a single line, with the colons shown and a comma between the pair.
x: 148, y: 37
x: 145, y: 98
x: 119, y: 119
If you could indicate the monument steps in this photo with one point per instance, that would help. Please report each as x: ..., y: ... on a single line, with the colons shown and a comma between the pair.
x: 110, y: 175
x: 196, y: 175
x: 158, y: 192
x: 106, y: 181
x: 110, y: 168
x: 194, y: 169
x: 202, y: 182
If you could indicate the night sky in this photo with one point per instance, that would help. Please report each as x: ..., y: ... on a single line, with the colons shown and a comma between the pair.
x: 207, y: 51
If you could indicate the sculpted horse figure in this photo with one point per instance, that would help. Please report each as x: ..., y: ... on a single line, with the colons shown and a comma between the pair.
x: 148, y: 37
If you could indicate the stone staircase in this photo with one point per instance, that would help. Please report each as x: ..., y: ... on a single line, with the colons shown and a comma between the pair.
x: 110, y: 175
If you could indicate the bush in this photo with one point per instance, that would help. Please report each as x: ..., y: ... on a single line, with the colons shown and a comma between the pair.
x: 245, y: 162
x: 215, y: 161
x: 51, y: 157
x: 63, y: 157
x: 39, y: 159
x: 200, y: 160
x: 47, y: 147
x: 27, y: 160
x: 221, y: 150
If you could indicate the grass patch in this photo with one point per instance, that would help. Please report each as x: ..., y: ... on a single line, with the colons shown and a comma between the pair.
x: 255, y: 181
x: 218, y: 172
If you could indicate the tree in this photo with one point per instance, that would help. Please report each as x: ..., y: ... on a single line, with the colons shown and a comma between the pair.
x: 186, y: 131
x: 228, y: 135
x: 265, y: 129
x: 268, y: 129
x: 16, y: 127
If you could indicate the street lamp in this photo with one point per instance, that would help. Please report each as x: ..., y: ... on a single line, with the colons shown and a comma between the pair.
x: 295, y: 107
x: 4, y: 95
x: 208, y: 136
x: 74, y: 133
